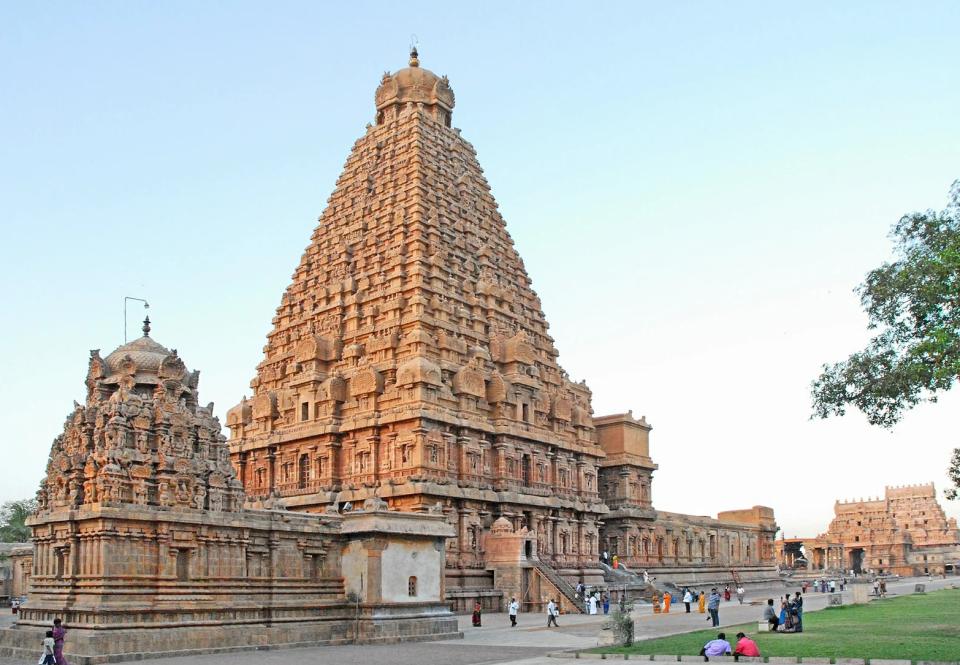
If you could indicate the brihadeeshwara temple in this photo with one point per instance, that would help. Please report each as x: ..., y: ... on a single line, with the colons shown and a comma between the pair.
x: 410, y: 445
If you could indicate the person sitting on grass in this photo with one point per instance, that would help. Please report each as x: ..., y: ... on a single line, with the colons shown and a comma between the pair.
x: 745, y: 647
x: 770, y: 615
x: 717, y: 647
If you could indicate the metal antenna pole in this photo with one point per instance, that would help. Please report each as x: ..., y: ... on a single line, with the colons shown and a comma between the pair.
x: 146, y: 305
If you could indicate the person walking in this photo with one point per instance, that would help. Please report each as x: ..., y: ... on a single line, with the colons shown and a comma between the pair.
x: 59, y: 635
x: 592, y: 603
x: 726, y: 593
x: 687, y: 599
x: 47, y: 657
x: 476, y: 614
x: 512, y: 610
x: 702, y: 602
x: 713, y: 607
x: 606, y: 603
x: 552, y: 612
x: 740, y: 593
x: 667, y: 598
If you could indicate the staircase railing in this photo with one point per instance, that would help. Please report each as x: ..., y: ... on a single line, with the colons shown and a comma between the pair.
x: 564, y: 588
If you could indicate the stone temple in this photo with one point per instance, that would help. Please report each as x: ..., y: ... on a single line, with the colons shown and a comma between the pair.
x: 906, y: 532
x: 142, y: 543
x: 410, y: 360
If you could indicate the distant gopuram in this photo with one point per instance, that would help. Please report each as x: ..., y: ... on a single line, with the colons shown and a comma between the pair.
x: 905, y: 533
x: 410, y: 358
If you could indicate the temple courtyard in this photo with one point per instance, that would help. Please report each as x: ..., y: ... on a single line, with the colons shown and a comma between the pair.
x: 531, y: 642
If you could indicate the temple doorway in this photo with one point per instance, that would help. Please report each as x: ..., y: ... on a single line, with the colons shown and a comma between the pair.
x: 856, y: 560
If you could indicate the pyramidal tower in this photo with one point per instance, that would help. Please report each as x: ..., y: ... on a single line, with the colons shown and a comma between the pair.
x: 409, y: 357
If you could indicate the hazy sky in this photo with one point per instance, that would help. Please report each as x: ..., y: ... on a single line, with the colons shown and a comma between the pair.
x: 695, y: 188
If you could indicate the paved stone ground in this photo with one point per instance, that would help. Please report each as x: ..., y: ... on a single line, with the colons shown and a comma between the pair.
x: 527, y: 644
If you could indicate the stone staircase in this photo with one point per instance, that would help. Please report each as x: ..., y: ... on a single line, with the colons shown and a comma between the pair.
x: 561, y: 586
x: 632, y: 582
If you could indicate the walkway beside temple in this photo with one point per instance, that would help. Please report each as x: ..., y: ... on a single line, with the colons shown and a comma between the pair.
x: 527, y: 644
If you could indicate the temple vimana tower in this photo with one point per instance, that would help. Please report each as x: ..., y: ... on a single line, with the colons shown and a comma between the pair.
x: 410, y: 360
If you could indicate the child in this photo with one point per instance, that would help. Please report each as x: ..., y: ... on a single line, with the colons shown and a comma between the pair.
x: 47, y: 657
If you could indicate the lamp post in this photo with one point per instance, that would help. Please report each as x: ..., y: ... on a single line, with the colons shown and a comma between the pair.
x: 146, y: 305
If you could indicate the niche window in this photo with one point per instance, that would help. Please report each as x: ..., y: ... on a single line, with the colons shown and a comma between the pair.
x: 183, y: 565
x: 412, y: 586
x: 305, y: 411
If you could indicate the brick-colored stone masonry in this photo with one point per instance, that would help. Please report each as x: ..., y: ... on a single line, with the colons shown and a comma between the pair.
x: 410, y: 358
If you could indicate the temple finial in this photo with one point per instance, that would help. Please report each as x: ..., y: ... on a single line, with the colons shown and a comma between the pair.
x: 414, y: 60
x: 146, y: 327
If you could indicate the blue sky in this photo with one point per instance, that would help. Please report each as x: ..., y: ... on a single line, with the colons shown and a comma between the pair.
x: 695, y: 189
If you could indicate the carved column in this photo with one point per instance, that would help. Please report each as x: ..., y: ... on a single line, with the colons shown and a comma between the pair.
x: 271, y: 468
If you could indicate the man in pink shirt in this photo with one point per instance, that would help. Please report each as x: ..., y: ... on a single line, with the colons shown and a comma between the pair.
x: 745, y: 647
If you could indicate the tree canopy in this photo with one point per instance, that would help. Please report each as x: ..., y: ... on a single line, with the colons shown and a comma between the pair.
x: 913, y: 304
x: 13, y: 514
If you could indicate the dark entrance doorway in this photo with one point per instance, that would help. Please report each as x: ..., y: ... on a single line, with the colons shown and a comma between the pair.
x: 856, y: 560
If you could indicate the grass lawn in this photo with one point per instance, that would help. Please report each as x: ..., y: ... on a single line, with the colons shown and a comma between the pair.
x: 918, y: 627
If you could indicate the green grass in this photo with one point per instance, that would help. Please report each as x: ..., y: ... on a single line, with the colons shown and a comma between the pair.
x: 918, y: 627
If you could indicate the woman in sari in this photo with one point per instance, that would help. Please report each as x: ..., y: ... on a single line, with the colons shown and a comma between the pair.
x: 59, y: 635
x: 786, y: 623
x: 476, y: 614
x: 702, y: 603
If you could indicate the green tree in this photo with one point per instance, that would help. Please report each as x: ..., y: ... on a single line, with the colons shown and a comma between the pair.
x: 913, y: 304
x: 13, y: 514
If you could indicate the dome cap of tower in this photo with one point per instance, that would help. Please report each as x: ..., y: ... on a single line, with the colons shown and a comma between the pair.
x: 414, y: 84
x: 143, y: 358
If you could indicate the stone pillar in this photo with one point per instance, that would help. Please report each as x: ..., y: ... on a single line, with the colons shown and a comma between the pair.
x: 271, y: 469
x: 374, y: 548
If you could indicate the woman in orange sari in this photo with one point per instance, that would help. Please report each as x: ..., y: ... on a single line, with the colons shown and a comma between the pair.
x: 702, y: 603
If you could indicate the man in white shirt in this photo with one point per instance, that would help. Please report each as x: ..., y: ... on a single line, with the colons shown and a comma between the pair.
x: 552, y: 612
x: 512, y: 611
x: 740, y: 593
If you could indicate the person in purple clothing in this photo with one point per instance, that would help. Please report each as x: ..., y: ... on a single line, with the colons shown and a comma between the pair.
x: 59, y: 635
x: 717, y: 647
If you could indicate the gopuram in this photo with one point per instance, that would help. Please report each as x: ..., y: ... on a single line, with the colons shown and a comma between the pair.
x: 409, y: 360
x: 904, y: 533
x: 142, y: 543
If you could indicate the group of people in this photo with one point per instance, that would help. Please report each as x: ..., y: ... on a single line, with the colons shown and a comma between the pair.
x: 720, y: 647
x: 880, y: 587
x: 53, y: 645
x: 826, y: 586
x: 606, y: 559
x: 594, y: 601
x: 790, y: 617
x: 553, y: 611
